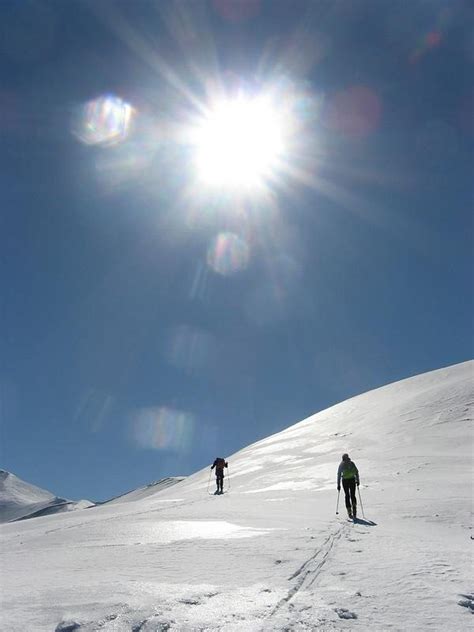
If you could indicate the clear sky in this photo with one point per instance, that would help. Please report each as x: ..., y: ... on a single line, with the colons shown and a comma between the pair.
x: 153, y: 317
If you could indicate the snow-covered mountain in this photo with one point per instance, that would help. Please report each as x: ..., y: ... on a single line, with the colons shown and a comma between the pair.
x: 20, y: 500
x: 271, y: 554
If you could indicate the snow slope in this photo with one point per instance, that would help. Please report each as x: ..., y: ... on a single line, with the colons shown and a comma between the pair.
x: 20, y: 500
x: 148, y: 490
x: 271, y: 554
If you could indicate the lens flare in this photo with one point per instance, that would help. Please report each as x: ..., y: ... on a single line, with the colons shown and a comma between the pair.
x: 228, y: 254
x: 163, y: 429
x: 430, y: 41
x: 104, y: 121
x: 94, y: 407
x: 189, y: 348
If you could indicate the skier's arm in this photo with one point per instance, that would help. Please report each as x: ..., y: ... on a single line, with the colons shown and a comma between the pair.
x: 356, y: 473
x: 226, y: 464
x: 339, y: 474
x: 213, y: 465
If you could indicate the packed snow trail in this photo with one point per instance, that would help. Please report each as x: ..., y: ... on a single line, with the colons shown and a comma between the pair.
x: 272, y: 555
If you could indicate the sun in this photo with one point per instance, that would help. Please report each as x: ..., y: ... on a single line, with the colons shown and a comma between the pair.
x: 239, y: 143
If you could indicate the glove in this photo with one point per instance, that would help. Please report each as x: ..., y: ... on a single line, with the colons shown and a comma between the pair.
x: 357, y: 483
x: 338, y: 488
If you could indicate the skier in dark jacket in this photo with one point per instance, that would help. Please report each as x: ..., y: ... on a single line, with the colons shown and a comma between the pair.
x: 350, y: 478
x: 219, y: 464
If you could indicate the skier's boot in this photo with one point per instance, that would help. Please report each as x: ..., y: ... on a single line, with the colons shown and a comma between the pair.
x: 349, y: 513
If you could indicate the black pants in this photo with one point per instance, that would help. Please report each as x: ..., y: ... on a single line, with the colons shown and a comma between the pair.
x: 220, y: 481
x: 349, y: 485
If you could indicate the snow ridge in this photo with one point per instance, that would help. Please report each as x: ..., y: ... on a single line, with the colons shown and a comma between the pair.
x: 147, y: 490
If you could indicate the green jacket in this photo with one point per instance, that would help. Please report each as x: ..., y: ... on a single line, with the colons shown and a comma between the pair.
x: 347, y: 469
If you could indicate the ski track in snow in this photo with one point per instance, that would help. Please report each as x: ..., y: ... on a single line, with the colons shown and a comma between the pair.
x: 308, y: 572
x: 304, y: 616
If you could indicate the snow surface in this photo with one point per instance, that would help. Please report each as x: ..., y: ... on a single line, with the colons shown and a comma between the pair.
x: 20, y: 500
x: 148, y: 490
x: 270, y: 553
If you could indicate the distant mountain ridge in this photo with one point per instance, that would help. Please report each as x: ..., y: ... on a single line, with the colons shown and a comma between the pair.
x: 20, y: 500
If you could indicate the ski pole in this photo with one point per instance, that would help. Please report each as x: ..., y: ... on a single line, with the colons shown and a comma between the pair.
x: 337, y: 503
x: 361, y: 505
x: 209, y: 481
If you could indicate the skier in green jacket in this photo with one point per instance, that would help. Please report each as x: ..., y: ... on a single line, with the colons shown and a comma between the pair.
x: 350, y: 478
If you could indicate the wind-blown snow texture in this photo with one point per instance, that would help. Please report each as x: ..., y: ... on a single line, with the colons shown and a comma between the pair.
x: 272, y: 554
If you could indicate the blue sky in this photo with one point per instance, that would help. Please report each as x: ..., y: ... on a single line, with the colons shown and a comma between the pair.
x: 149, y: 324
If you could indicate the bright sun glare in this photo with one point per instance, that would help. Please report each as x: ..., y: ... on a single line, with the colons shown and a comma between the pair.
x: 239, y: 143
